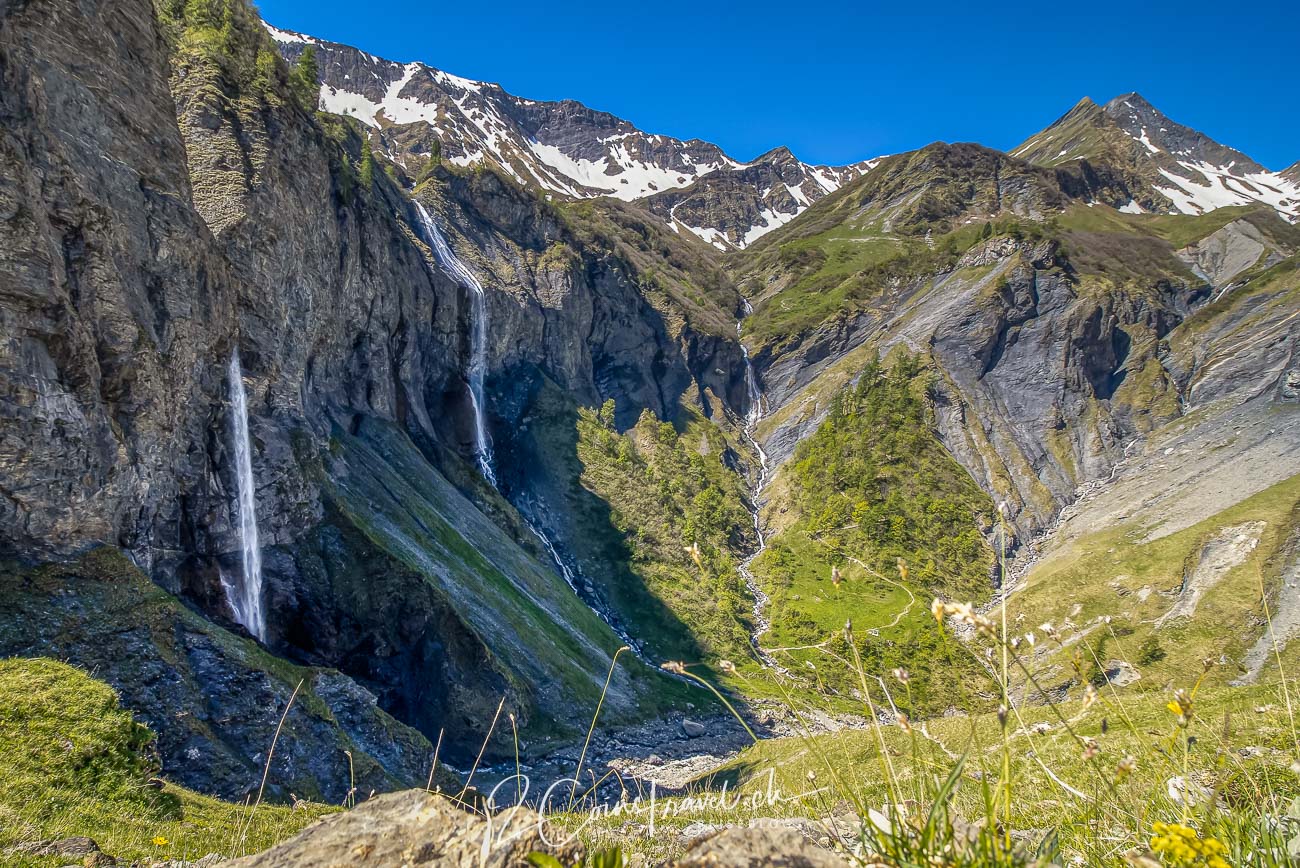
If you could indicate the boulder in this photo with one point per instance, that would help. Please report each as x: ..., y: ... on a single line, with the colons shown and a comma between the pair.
x: 413, y: 828
x: 767, y: 845
x: 693, y: 729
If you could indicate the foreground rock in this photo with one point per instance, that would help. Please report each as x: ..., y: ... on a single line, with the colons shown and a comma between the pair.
x: 417, y: 828
x: 414, y: 828
x: 776, y: 845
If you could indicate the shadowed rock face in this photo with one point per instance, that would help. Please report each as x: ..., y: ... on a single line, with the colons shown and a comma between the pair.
x: 116, y: 302
x: 162, y: 207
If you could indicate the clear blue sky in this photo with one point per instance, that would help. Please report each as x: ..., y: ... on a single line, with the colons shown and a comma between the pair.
x: 842, y: 81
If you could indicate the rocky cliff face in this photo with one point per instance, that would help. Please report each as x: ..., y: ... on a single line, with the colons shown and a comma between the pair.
x: 167, y: 201
x: 1051, y: 343
x: 117, y: 301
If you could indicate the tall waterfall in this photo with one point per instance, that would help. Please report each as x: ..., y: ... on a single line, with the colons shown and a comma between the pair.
x: 448, y: 259
x: 754, y: 415
x: 245, y: 594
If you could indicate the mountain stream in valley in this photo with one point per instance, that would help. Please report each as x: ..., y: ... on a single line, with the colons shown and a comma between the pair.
x: 753, y: 416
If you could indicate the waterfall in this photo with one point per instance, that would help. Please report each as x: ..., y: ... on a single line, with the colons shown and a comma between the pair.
x: 245, y: 594
x: 753, y: 416
x: 448, y: 259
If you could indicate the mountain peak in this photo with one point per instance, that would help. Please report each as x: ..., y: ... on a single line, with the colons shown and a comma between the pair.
x: 1132, y: 100
x: 1165, y: 165
x: 779, y: 154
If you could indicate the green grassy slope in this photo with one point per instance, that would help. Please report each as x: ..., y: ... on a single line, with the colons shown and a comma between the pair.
x: 189, y: 677
x: 72, y: 762
x: 874, y: 496
x: 552, y: 648
x: 1120, y: 575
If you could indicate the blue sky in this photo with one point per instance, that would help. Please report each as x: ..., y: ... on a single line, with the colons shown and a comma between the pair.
x: 838, y: 82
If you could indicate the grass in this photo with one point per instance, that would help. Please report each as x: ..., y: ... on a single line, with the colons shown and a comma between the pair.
x: 1120, y: 574
x: 875, y: 514
x: 1084, y: 779
x: 72, y: 762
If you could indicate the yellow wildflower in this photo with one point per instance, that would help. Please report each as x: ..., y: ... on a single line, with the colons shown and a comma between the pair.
x: 1179, y: 846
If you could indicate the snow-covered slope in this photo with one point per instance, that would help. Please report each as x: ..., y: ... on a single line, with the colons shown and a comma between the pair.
x: 733, y: 208
x: 563, y: 147
x: 1183, y: 170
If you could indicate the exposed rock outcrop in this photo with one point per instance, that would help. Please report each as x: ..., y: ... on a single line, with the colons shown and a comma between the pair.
x: 417, y: 828
x: 165, y: 200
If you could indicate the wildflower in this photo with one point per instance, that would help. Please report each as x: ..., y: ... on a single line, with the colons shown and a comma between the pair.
x: 1126, y: 767
x: 902, y: 676
x: 812, y: 775
x: 1181, y: 705
x: 1089, y: 696
x: 160, y: 841
x: 694, y: 551
x: 1031, y: 639
x: 675, y: 667
x: 937, y: 610
x: 1049, y: 631
x: 727, y: 666
x: 835, y: 576
x: 1002, y: 716
x: 902, y: 569
x: 1090, y: 748
x: 1178, y: 845
x: 983, y: 624
x: 904, y: 723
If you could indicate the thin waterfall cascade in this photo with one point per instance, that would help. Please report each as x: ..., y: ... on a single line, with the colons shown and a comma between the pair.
x: 448, y: 259
x: 572, y: 579
x: 245, y: 594
x: 477, y: 369
x: 753, y: 416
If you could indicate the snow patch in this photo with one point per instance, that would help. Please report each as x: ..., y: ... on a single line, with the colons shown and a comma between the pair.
x: 343, y: 102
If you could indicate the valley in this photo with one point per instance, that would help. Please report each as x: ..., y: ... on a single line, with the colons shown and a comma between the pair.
x: 367, y: 428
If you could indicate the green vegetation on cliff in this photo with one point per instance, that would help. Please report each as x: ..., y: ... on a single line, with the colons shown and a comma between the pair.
x: 874, y: 488
x: 681, y: 511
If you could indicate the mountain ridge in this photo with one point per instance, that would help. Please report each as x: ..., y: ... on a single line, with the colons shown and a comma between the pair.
x: 563, y: 147
x: 1177, y: 168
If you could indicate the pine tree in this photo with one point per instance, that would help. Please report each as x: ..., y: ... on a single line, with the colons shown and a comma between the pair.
x: 435, y: 158
x: 304, y: 81
x: 367, y: 171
